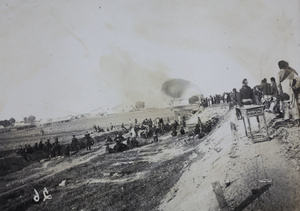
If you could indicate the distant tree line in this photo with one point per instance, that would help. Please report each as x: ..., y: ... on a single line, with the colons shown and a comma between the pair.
x: 29, y: 119
x: 6, y: 123
x: 12, y: 121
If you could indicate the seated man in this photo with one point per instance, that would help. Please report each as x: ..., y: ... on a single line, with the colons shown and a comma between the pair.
x: 134, y: 143
x: 182, y: 131
x: 108, y: 149
x: 119, y: 138
x: 246, y: 94
x: 197, y: 129
x: 120, y: 147
x: 155, y: 138
x: 174, y: 133
x: 129, y: 142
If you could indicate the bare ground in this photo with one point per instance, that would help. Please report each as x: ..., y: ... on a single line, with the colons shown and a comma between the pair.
x: 174, y: 174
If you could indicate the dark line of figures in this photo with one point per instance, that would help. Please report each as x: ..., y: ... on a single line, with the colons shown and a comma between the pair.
x: 50, y: 150
x: 146, y: 130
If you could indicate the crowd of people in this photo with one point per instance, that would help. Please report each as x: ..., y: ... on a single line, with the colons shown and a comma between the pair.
x: 119, y: 146
x: 280, y: 96
x: 50, y: 150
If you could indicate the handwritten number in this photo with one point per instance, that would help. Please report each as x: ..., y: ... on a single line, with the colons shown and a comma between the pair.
x: 36, y: 197
x: 45, y: 191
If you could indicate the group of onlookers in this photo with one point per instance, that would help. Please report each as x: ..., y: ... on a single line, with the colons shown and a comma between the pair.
x: 49, y: 150
x: 279, y: 97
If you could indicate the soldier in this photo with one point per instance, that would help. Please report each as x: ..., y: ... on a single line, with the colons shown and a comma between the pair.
x: 41, y: 145
x: 67, y: 150
x: 48, y: 148
x: 197, y: 129
x: 155, y: 137
x: 89, y: 141
x: 108, y: 149
x: 21, y: 151
x: 109, y: 139
x: 174, y: 133
x: 129, y: 142
x: 95, y: 128
x: 182, y: 131
x: 134, y: 143
x: 36, y: 146
x: 57, y: 147
x: 150, y: 123
x: 75, y: 144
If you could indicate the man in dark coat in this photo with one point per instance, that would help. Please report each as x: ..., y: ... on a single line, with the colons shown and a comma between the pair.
x: 274, y: 89
x: 246, y: 94
x: 182, y: 131
x: 89, y: 141
x: 75, y: 144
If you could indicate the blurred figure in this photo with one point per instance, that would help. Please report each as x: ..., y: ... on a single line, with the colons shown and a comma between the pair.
x: 274, y: 93
x: 234, y: 97
x: 75, y: 144
x: 182, y: 131
x: 246, y: 94
x: 266, y: 91
x: 88, y: 141
x: 286, y: 75
x: 274, y: 90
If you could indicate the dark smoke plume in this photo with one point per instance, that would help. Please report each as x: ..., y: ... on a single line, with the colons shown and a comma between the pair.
x: 175, y: 88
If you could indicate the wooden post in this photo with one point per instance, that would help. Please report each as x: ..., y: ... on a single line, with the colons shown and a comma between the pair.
x: 250, y: 129
x: 220, y: 196
x: 265, y: 121
x: 245, y: 126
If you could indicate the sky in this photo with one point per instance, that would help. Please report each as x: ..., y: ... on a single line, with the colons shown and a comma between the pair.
x: 63, y: 57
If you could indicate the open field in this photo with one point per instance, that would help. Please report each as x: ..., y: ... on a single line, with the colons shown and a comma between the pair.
x: 65, y: 131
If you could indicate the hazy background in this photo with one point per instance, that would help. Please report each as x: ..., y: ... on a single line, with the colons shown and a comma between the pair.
x: 60, y: 57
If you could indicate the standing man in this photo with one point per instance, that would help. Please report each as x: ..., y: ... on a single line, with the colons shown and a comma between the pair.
x: 246, y: 94
x: 274, y: 93
x: 286, y: 76
x: 234, y: 98
x: 179, y: 119
x: 200, y: 123
x: 88, y: 141
x: 266, y: 90
x: 130, y: 123
x: 75, y: 144
x: 274, y: 90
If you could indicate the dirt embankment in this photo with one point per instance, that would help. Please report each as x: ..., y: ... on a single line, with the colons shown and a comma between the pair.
x: 260, y: 176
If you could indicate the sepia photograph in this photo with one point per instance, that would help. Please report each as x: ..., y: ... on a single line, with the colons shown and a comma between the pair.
x: 149, y: 105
